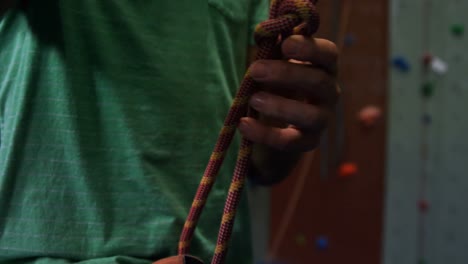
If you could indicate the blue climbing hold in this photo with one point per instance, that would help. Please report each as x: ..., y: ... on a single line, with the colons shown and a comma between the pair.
x: 427, y: 119
x: 401, y: 64
x: 349, y: 40
x: 322, y: 243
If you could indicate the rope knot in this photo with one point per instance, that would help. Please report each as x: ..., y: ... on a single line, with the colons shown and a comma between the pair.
x: 288, y: 17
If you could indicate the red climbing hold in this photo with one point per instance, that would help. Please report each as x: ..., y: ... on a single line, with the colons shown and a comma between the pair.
x: 427, y: 59
x: 348, y: 169
x: 423, y: 205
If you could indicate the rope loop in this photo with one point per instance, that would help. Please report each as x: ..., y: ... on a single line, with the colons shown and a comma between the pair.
x: 288, y: 17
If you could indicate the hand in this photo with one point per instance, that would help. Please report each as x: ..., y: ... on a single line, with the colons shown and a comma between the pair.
x: 298, y: 94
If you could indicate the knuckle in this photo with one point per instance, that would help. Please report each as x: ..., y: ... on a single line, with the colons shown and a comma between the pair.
x: 279, y: 108
x: 324, y: 79
x: 275, y: 140
x: 331, y: 49
x: 309, y: 116
x: 322, y: 121
x: 283, y: 70
x: 336, y: 90
x: 334, y: 52
x: 316, y: 122
x: 331, y: 92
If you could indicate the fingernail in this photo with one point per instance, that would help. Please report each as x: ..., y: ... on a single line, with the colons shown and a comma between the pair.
x: 259, y: 70
x: 258, y: 100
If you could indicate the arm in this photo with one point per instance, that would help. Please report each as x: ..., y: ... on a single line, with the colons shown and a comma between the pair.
x: 294, y: 105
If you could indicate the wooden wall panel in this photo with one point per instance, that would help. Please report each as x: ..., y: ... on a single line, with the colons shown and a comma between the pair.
x: 349, y: 212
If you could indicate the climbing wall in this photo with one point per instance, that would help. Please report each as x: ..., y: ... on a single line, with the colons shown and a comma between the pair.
x: 426, y: 212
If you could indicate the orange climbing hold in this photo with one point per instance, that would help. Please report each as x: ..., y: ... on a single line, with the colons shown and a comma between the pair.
x: 348, y: 169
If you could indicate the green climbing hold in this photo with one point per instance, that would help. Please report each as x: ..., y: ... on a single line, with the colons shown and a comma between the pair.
x: 422, y: 261
x: 428, y: 89
x: 301, y: 240
x: 458, y: 30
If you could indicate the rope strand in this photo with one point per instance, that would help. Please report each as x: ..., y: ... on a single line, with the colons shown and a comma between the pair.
x: 286, y: 17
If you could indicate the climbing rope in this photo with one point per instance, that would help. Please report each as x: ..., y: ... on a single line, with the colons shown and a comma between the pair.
x: 286, y: 17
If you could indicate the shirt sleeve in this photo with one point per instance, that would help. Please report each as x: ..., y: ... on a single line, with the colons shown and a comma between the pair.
x: 258, y: 13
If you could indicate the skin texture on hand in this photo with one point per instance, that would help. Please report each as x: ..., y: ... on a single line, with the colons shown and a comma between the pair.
x: 298, y: 96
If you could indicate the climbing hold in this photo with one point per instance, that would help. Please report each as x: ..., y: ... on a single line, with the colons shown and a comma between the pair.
x: 422, y: 261
x: 427, y: 59
x: 369, y: 115
x: 439, y: 66
x: 423, y: 205
x: 401, y: 64
x: 427, y: 119
x: 322, y: 243
x: 458, y: 30
x: 301, y: 240
x: 348, y: 169
x: 427, y: 89
x: 349, y: 40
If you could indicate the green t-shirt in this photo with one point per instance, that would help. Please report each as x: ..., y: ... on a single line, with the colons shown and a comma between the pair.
x: 109, y: 110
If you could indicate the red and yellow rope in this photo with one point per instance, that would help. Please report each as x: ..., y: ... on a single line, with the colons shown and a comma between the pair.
x: 286, y: 17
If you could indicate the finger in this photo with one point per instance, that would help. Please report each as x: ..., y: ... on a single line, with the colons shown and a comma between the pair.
x: 302, y: 115
x: 284, y: 139
x: 305, y: 80
x: 319, y: 52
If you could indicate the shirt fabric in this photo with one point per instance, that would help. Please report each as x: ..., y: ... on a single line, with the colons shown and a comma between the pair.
x: 108, y: 114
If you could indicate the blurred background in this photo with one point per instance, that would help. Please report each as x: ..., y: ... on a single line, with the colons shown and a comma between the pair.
x: 388, y: 184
